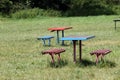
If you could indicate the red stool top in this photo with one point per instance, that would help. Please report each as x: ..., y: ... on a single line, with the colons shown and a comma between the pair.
x: 53, y: 51
x: 102, y: 51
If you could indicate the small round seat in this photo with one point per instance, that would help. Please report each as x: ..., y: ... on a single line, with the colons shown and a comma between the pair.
x: 101, y: 53
x: 53, y: 51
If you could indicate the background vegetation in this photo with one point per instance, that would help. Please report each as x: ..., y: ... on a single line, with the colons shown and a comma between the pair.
x: 62, y: 7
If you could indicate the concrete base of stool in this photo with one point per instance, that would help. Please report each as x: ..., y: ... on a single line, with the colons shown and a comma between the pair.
x: 53, y: 52
x: 44, y: 38
x: 101, y: 53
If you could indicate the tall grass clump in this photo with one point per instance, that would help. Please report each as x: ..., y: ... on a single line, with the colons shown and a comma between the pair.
x: 53, y: 13
x: 28, y: 13
x: 36, y: 12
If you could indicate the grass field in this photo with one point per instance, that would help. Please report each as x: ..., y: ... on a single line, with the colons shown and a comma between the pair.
x: 20, y: 51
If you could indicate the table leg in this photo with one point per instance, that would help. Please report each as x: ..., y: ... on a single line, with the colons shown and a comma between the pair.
x: 80, y: 50
x: 115, y: 25
x: 44, y: 42
x: 49, y: 42
x: 58, y: 37
x: 63, y: 36
x: 74, y: 50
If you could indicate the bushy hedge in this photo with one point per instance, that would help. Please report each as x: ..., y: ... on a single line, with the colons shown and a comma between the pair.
x: 5, y: 7
x: 116, y: 9
x: 89, y: 7
x: 25, y: 8
x: 29, y: 13
x: 52, y: 13
x: 36, y: 12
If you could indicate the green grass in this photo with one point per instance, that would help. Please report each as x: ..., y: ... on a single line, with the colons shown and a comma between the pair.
x: 20, y: 51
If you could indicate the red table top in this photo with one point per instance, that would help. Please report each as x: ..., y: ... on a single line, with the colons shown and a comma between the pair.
x: 59, y: 28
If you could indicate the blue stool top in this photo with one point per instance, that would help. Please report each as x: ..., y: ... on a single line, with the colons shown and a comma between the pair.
x: 45, y: 37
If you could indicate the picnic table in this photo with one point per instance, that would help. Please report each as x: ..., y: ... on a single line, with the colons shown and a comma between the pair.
x: 116, y: 20
x: 74, y: 39
x: 59, y: 29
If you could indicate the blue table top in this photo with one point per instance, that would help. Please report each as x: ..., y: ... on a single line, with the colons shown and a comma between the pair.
x: 77, y: 37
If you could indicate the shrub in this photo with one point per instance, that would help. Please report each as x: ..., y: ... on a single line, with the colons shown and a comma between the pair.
x: 52, y: 13
x: 89, y: 7
x: 28, y: 13
x: 116, y: 8
x: 32, y: 13
x: 5, y: 7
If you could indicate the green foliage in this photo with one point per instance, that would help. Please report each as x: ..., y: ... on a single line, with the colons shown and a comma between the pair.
x: 62, y: 5
x: 52, y: 13
x: 5, y: 6
x: 28, y: 13
x: 32, y: 13
x: 89, y: 7
x: 67, y: 7
x: 116, y: 9
x: 17, y: 6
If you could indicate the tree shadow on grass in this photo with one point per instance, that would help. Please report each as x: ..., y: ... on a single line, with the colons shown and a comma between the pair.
x: 117, y: 28
x: 58, y: 64
x: 70, y: 43
x: 65, y: 45
x: 48, y: 46
x: 106, y: 64
x: 100, y: 64
x: 85, y: 63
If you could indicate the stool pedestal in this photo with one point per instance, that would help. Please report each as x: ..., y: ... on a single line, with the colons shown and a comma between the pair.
x: 99, y: 53
x: 53, y: 52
